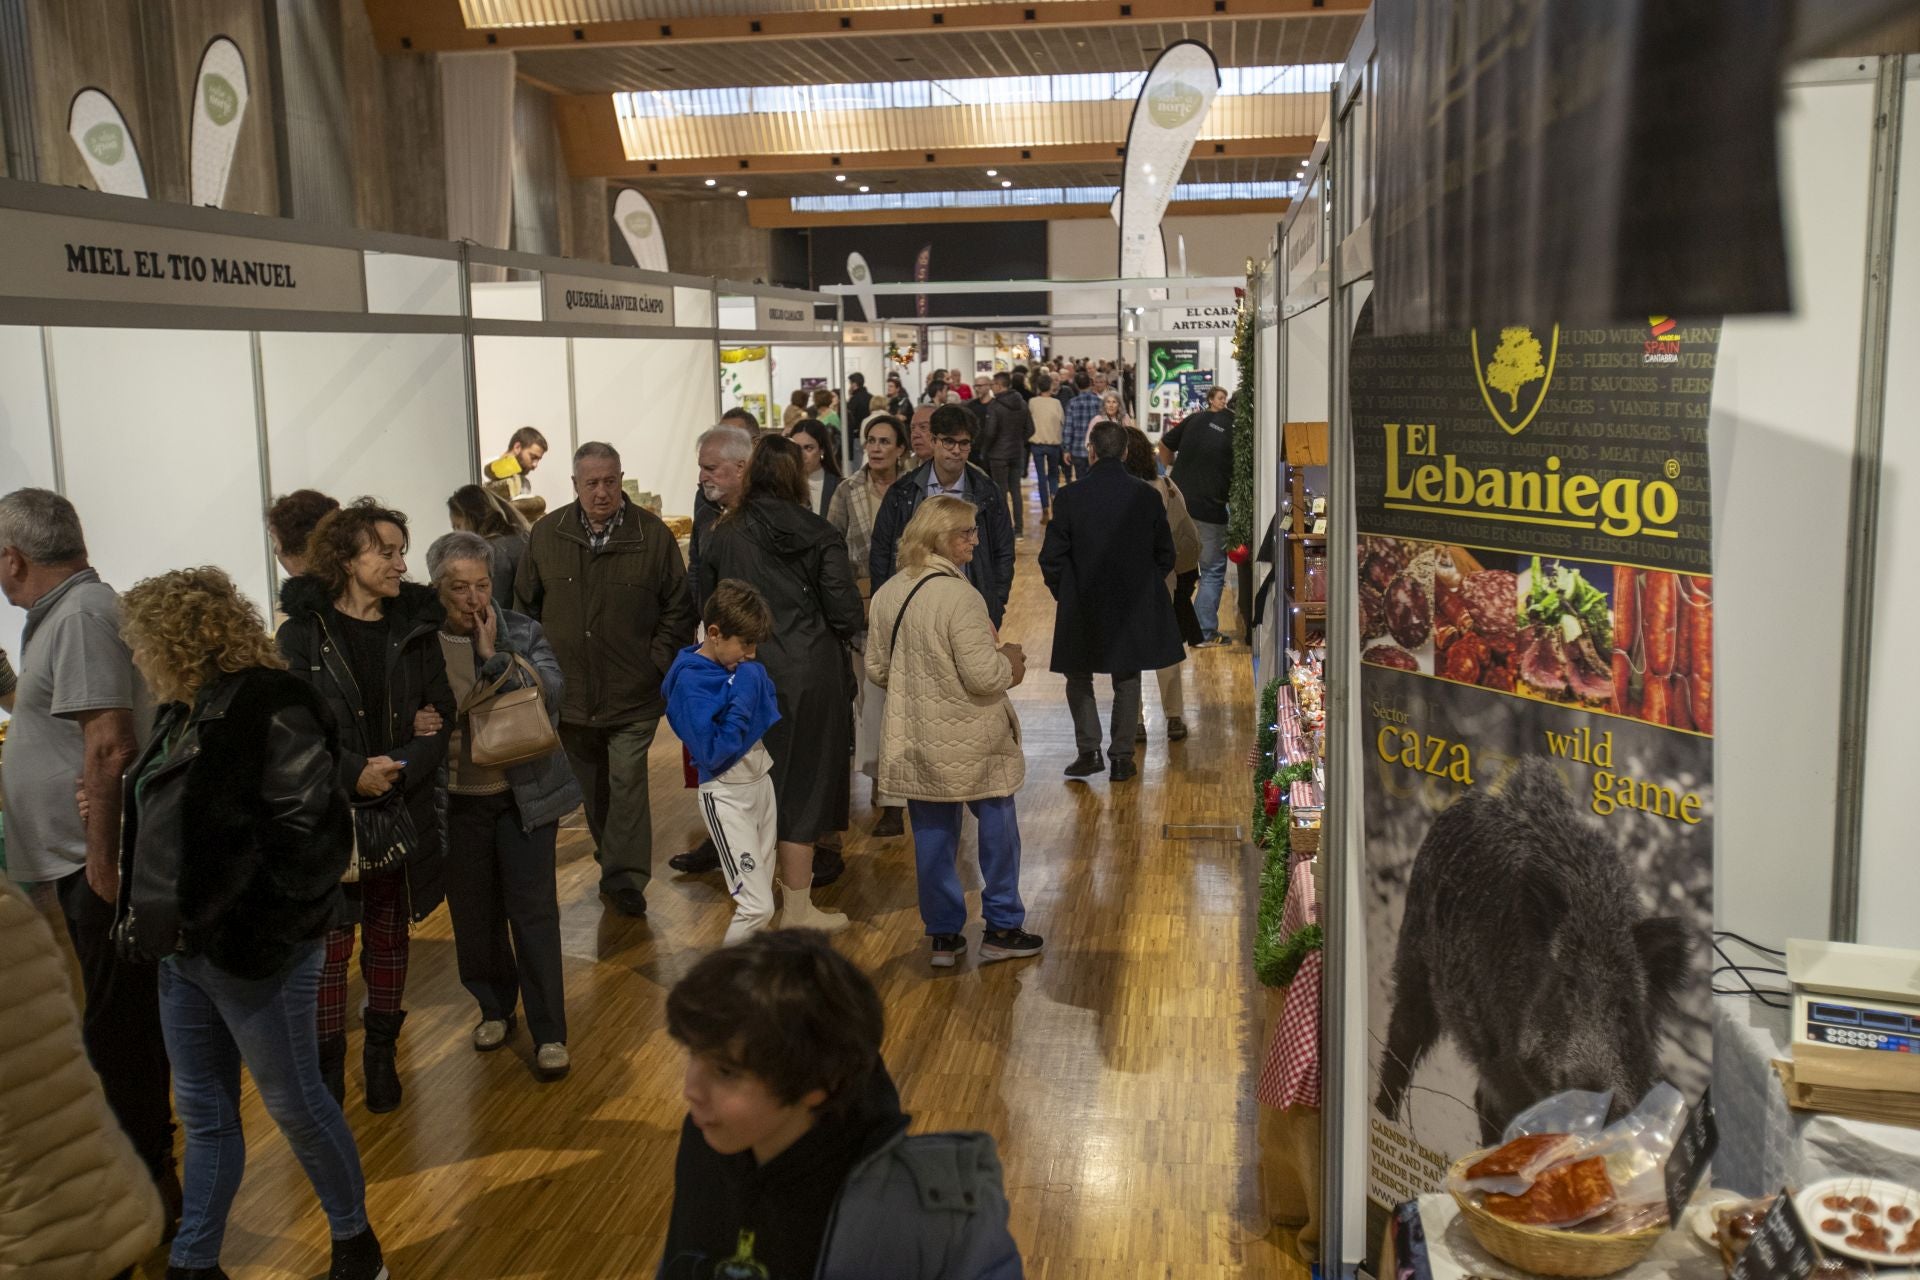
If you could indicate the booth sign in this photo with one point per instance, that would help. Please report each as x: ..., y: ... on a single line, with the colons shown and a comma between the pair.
x: 1216, y: 320
x: 45, y: 255
x: 599, y: 300
x: 783, y: 313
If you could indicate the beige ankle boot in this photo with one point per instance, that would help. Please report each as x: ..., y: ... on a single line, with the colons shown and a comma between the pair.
x: 798, y: 912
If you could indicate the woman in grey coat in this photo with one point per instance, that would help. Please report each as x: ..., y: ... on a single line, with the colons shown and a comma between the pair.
x: 502, y: 824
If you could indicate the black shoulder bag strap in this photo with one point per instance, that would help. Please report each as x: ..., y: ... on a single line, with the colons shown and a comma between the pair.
x: 893, y: 640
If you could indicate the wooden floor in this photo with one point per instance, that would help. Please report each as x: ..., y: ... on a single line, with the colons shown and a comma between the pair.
x: 1115, y: 1071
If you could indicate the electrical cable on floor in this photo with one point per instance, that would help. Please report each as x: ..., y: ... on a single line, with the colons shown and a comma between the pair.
x: 1760, y: 947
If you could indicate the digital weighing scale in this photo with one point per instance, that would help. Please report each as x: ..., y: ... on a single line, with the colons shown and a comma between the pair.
x: 1849, y: 996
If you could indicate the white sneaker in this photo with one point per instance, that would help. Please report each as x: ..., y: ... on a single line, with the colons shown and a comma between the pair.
x: 552, y: 1061
x: 492, y: 1033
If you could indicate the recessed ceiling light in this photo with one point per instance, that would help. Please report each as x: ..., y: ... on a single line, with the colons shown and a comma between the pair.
x: 866, y: 188
x: 993, y: 173
x: 839, y: 177
x: 742, y: 191
x: 1006, y: 182
x: 712, y: 182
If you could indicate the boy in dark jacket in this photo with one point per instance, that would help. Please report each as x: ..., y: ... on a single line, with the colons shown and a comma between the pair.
x: 794, y: 1161
x: 720, y: 703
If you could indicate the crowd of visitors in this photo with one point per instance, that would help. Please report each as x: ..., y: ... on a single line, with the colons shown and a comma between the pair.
x: 298, y: 785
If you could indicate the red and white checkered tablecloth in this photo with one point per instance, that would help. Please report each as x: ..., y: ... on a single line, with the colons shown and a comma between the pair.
x: 1290, y: 1077
x: 1302, y: 909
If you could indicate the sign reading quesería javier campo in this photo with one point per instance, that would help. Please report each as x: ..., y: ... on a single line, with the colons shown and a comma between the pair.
x: 50, y: 256
x: 600, y: 300
x: 1536, y: 693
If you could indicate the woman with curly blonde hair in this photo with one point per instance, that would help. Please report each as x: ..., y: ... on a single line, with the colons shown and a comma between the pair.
x: 234, y: 838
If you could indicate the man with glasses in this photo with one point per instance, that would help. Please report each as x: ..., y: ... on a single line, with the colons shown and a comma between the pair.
x: 951, y: 472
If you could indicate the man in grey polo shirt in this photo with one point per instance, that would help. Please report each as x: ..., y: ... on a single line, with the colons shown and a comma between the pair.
x: 75, y: 718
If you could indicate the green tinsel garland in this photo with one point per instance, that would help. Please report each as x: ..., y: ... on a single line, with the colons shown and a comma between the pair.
x: 1276, y: 958
x: 1240, y: 495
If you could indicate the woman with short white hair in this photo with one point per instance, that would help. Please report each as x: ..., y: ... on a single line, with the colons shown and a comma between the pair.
x: 950, y: 738
x: 502, y: 822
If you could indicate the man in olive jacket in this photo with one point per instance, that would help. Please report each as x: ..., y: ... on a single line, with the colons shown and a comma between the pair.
x: 606, y: 582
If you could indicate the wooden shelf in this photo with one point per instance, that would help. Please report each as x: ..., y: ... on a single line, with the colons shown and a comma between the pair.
x: 1311, y: 539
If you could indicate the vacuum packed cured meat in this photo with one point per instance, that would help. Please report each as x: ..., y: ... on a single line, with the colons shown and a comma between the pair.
x: 1563, y: 1196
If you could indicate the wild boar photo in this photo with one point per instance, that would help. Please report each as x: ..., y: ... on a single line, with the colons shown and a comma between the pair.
x: 1524, y: 939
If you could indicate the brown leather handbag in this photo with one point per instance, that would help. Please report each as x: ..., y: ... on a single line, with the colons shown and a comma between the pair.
x: 509, y: 726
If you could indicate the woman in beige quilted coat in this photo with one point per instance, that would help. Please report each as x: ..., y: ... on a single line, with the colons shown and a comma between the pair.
x: 950, y: 737
x: 75, y: 1202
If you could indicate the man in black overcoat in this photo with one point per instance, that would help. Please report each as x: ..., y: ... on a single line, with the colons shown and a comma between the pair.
x: 1106, y: 559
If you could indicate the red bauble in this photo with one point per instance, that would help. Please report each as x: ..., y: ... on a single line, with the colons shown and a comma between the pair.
x: 1239, y: 554
x: 1273, y: 798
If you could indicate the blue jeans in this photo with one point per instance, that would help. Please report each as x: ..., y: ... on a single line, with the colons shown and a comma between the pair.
x: 936, y: 844
x: 1046, y: 472
x: 213, y: 1022
x: 1213, y: 574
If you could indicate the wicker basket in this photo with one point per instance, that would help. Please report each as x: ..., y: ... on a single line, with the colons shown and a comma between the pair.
x: 1544, y: 1251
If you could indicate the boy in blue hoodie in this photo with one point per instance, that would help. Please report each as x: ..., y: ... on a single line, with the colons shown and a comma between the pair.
x: 720, y: 703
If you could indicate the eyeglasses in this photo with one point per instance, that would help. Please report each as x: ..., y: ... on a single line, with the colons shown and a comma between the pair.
x: 955, y: 442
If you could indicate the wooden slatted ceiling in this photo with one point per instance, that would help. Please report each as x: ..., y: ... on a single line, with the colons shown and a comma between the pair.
x: 1259, y: 42
x: 972, y: 178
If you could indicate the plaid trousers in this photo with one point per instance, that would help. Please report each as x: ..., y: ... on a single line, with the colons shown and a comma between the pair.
x: 383, y: 953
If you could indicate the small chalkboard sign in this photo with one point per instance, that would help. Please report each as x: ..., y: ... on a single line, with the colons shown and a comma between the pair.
x: 1692, y: 1152
x: 1780, y: 1248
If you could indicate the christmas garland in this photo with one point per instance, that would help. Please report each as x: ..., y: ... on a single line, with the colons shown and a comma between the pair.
x: 1276, y: 957
x: 1240, y: 494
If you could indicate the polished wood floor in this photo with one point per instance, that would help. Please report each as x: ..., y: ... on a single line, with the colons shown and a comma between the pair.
x: 1115, y: 1071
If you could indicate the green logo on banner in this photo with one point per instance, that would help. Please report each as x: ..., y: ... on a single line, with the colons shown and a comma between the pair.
x: 859, y: 273
x: 639, y: 223
x: 106, y: 142
x: 1173, y: 104
x: 222, y: 103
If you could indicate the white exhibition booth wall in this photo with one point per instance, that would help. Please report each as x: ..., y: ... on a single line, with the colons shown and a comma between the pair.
x: 645, y: 395
x: 172, y: 421
x: 1784, y: 454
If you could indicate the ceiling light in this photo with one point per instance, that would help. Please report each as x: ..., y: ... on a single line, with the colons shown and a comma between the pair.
x: 993, y: 173
x: 712, y: 182
x: 839, y: 177
x: 1006, y: 182
x: 742, y: 191
x: 864, y: 189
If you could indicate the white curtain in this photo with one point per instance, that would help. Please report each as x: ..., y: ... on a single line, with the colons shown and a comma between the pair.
x: 476, y: 111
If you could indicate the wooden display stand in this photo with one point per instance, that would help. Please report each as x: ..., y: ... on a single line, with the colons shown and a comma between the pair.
x: 1306, y: 446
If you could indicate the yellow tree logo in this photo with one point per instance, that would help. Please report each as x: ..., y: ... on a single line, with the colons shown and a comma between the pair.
x: 1517, y: 363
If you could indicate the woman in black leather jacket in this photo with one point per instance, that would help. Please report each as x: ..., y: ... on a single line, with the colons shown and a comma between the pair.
x: 368, y: 644
x: 234, y: 837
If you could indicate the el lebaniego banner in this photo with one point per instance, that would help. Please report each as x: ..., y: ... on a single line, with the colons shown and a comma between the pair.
x: 1536, y: 703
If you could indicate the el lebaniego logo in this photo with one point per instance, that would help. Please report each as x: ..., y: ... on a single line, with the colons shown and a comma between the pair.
x: 1513, y: 380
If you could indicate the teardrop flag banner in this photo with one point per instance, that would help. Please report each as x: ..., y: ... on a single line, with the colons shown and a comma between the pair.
x: 219, y: 106
x: 1173, y: 105
x: 96, y: 126
x: 640, y: 228
x: 862, y: 276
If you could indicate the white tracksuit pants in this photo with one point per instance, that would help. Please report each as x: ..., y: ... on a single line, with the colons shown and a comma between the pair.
x: 740, y: 817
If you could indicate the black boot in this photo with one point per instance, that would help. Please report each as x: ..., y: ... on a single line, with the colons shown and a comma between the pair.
x: 359, y: 1258
x: 333, y: 1065
x: 383, y: 1078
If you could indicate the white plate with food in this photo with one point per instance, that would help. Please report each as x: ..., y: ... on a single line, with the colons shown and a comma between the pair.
x: 1866, y: 1218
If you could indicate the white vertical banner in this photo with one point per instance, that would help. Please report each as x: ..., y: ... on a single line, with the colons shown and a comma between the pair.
x: 862, y: 276
x: 476, y: 104
x: 1167, y: 116
x: 640, y: 227
x: 1156, y: 251
x: 219, y: 105
x: 96, y: 126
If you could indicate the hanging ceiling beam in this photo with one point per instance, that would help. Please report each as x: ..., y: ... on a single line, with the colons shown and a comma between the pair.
x: 780, y: 213
x: 438, y: 25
